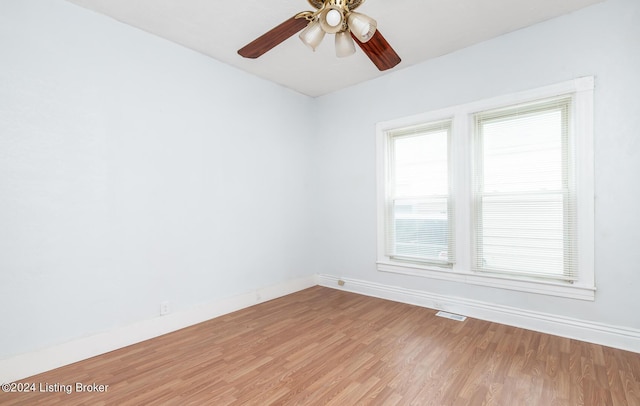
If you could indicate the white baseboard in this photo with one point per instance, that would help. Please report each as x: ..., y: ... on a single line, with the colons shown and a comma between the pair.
x: 25, y: 365
x: 597, y: 333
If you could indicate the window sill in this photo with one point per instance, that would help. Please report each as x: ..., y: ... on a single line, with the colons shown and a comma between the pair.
x: 550, y: 288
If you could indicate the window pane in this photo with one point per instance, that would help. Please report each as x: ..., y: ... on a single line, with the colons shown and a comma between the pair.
x: 523, y: 153
x: 420, y: 164
x: 523, y: 233
x: 421, y: 229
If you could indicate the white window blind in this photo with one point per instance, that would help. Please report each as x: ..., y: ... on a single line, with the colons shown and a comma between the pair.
x: 524, y: 205
x: 419, y: 210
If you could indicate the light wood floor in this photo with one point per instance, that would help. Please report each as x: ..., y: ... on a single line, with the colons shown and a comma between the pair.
x: 324, y: 346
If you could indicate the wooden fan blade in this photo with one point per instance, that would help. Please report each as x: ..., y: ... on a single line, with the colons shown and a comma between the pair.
x: 270, y: 39
x: 379, y: 51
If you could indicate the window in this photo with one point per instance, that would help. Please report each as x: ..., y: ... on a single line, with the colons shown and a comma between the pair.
x: 524, y: 193
x: 496, y: 193
x: 418, y: 213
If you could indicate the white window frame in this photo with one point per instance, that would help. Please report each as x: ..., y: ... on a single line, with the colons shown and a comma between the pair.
x: 462, y: 117
x: 426, y: 128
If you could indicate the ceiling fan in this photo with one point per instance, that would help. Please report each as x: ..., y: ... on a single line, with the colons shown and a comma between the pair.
x: 331, y: 17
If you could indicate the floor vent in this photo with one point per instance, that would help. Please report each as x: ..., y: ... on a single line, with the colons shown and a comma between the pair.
x: 451, y: 316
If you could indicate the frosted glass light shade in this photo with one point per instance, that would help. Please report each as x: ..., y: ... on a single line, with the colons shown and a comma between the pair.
x: 334, y: 17
x: 362, y: 26
x: 331, y: 20
x: 312, y: 35
x: 344, y: 44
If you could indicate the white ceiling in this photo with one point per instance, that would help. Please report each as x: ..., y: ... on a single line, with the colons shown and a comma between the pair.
x: 417, y: 29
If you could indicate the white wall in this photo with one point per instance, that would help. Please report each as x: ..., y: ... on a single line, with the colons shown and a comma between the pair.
x: 602, y: 40
x: 134, y: 171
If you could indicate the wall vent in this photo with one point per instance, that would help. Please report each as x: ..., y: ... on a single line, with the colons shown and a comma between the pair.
x: 451, y: 316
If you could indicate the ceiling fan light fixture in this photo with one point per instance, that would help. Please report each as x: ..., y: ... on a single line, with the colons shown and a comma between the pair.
x: 312, y: 35
x: 344, y: 44
x: 337, y: 17
x: 331, y: 19
x: 362, y: 26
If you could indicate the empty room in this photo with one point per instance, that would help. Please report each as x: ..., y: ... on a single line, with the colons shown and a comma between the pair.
x: 409, y: 202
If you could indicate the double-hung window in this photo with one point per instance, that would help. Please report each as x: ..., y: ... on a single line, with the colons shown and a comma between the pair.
x: 524, y: 204
x: 496, y: 193
x: 419, y: 211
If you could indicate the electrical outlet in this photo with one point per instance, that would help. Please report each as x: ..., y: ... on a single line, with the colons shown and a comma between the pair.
x: 164, y: 308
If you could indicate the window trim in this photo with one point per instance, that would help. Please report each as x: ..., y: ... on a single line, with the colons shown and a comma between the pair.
x: 462, y: 117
